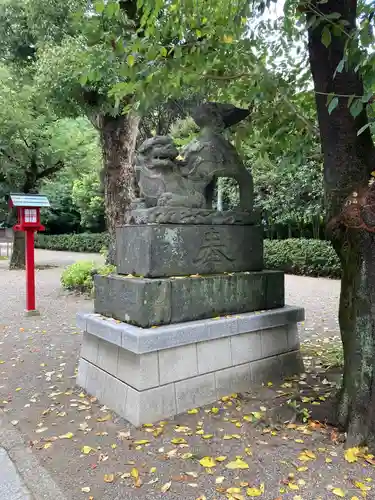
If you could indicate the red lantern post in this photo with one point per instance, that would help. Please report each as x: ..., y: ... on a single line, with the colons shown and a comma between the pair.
x: 28, y: 211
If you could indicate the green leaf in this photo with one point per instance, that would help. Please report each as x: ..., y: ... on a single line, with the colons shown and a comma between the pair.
x: 130, y: 60
x: 362, y: 129
x: 333, y: 15
x: 330, y: 97
x: 350, y: 100
x: 99, y: 6
x: 367, y: 97
x: 163, y: 52
x: 333, y: 104
x: 311, y: 22
x: 356, y: 108
x: 326, y: 37
x: 112, y: 9
x: 340, y: 66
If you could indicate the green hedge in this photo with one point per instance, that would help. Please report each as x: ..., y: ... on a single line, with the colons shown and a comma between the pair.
x: 302, y: 256
x: 82, y: 242
x: 78, y: 277
x: 294, y: 256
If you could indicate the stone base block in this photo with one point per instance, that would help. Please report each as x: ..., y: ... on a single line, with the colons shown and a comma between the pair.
x: 185, y: 365
x: 149, y: 302
x: 180, y: 250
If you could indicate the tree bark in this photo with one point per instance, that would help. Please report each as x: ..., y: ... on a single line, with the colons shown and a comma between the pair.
x: 348, y: 162
x: 118, y: 137
x: 17, y: 259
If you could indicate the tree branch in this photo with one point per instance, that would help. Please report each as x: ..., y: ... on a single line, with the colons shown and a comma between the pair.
x: 10, y: 157
x: 50, y: 170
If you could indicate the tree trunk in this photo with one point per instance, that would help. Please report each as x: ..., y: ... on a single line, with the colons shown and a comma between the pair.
x: 348, y: 162
x: 118, y: 137
x: 17, y: 259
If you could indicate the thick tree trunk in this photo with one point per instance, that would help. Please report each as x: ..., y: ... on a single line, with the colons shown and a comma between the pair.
x: 118, y: 137
x: 348, y: 162
x: 17, y: 259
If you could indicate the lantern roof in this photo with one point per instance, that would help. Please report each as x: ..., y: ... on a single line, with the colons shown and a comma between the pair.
x: 29, y: 200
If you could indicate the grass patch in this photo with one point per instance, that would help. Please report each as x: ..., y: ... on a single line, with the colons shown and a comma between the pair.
x: 326, y: 353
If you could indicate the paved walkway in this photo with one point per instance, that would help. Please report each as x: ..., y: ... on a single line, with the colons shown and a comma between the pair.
x: 38, y: 359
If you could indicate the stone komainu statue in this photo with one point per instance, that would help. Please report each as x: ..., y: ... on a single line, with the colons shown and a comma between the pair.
x: 167, y: 181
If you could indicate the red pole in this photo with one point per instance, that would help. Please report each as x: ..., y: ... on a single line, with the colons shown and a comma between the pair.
x: 30, y: 271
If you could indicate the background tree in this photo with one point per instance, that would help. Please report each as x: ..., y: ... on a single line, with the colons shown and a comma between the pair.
x: 70, y: 49
x: 27, y: 152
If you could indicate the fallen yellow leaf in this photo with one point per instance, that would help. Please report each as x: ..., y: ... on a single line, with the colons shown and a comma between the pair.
x: 87, y: 450
x: 178, y: 441
x: 237, y: 464
x: 86, y: 489
x: 338, y: 492
x: 351, y: 455
x: 142, y: 441
x: 293, y: 486
x: 362, y: 486
x: 47, y: 445
x: 255, y: 492
x: 219, y: 480
x: 193, y: 411
x: 221, y: 458
x: 166, y: 487
x: 134, y: 473
x: 68, y: 435
x: 109, y: 478
x: 207, y: 436
x: 105, y: 418
x: 207, y: 462
x: 306, y: 455
x: 233, y: 490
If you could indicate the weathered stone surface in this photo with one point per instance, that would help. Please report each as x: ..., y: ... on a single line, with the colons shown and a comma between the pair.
x: 148, y: 302
x: 182, y: 215
x: 142, y: 340
x: 165, y: 180
x: 180, y: 250
x: 143, y: 302
x: 211, y: 296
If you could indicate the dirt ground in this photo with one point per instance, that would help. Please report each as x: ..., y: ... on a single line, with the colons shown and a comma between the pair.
x: 243, y: 446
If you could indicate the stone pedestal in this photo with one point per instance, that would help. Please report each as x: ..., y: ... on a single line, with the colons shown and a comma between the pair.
x: 189, y: 317
x: 184, y: 249
x: 150, y: 374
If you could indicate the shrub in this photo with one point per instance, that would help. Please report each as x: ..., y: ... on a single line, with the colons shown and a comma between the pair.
x: 78, y: 277
x: 81, y: 242
x: 302, y: 256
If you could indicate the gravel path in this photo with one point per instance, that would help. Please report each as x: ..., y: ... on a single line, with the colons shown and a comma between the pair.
x: 38, y: 359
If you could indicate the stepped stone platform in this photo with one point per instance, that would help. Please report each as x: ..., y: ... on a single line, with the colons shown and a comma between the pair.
x: 147, y: 374
x: 190, y: 314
